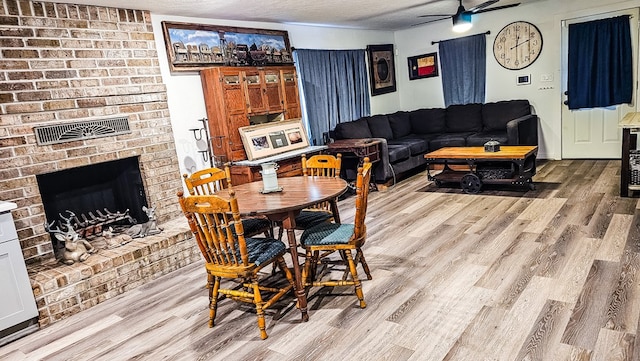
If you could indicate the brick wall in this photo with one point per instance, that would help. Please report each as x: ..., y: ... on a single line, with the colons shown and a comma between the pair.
x: 62, y: 63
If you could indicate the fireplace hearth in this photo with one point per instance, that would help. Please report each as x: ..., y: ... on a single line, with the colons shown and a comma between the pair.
x: 93, y: 196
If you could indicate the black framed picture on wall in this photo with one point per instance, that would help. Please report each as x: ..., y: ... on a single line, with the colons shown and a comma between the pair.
x: 382, y: 73
x: 423, y: 66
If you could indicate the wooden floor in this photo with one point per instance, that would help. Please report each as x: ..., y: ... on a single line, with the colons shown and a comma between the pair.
x: 551, y: 274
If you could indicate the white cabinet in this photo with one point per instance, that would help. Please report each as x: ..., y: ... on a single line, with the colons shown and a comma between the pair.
x: 18, y: 311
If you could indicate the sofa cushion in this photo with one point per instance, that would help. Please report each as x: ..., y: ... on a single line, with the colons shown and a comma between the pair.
x: 464, y: 118
x: 400, y: 123
x: 478, y: 139
x: 416, y: 146
x: 398, y: 153
x: 379, y: 126
x: 424, y: 121
x: 352, y: 130
x: 449, y: 140
x: 495, y: 116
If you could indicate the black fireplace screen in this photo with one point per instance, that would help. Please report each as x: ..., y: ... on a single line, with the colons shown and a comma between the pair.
x: 94, y: 190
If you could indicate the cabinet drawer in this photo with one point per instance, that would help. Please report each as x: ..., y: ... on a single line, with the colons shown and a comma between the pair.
x: 7, y: 229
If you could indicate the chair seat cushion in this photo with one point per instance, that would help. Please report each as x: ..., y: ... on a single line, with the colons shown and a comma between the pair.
x: 308, y: 219
x: 253, y: 226
x: 262, y: 250
x: 326, y: 234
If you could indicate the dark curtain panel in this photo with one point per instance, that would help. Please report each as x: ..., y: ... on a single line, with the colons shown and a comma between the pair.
x: 334, y: 86
x: 464, y: 69
x: 600, y: 63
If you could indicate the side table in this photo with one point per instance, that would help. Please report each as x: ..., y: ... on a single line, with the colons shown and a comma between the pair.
x: 359, y: 148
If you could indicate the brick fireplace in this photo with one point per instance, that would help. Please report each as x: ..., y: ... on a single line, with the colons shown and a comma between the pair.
x: 64, y: 63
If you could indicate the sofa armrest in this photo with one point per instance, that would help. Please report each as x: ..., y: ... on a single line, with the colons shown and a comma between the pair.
x: 382, y: 168
x: 523, y: 130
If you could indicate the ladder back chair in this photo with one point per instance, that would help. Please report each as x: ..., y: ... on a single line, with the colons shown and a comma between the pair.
x: 322, y: 240
x: 321, y: 165
x: 212, y: 180
x: 229, y: 255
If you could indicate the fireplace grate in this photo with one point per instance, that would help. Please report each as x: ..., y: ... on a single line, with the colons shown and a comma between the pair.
x: 88, y: 129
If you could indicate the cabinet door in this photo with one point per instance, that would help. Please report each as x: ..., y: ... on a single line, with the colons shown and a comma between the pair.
x: 17, y: 303
x: 234, y: 101
x: 290, y: 91
x: 255, y: 90
x: 273, y: 91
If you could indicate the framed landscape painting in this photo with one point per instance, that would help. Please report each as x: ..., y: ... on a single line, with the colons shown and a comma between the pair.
x: 191, y: 47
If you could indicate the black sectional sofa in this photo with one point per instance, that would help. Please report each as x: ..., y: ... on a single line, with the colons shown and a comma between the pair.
x: 407, y: 135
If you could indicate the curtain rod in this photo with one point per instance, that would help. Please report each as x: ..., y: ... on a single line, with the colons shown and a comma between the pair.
x: 435, y: 42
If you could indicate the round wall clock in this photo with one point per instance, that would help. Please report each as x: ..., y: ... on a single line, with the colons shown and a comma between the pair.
x: 517, y: 45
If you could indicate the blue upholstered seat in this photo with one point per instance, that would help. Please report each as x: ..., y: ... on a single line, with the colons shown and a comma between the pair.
x: 308, y: 219
x: 327, y: 233
x: 261, y: 250
x: 254, y: 226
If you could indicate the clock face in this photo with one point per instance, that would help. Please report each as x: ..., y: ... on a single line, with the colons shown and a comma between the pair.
x: 517, y: 45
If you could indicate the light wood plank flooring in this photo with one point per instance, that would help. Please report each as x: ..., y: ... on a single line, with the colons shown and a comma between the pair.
x: 551, y: 274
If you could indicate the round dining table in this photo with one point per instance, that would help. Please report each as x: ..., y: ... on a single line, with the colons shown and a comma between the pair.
x: 283, y: 206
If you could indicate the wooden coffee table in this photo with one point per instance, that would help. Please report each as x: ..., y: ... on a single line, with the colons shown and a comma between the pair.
x: 514, y: 165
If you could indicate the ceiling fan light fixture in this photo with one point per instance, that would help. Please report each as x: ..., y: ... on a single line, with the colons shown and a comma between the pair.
x: 462, y: 22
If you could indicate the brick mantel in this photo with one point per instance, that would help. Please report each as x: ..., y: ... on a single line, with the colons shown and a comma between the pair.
x: 62, y: 63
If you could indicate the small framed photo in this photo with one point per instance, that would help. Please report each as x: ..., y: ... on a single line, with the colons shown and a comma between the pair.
x: 267, y: 139
x: 423, y: 66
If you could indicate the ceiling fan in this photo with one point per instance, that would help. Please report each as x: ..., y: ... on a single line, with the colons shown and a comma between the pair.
x: 462, y: 17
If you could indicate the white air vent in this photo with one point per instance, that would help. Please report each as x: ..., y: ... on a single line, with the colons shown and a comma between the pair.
x: 89, y: 129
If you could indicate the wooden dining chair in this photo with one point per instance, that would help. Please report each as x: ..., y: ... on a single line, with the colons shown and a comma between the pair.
x: 322, y: 240
x: 232, y: 256
x: 322, y: 165
x: 212, y: 180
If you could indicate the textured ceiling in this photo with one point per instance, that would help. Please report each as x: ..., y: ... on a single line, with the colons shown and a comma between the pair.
x: 363, y: 14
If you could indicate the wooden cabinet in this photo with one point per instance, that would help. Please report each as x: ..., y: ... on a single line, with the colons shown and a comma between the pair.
x: 18, y: 310
x: 290, y: 94
x: 234, y: 94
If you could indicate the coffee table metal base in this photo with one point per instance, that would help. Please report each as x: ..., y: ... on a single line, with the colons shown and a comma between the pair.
x: 513, y: 165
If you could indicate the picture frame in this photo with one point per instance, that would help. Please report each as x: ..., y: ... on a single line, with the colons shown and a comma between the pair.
x: 191, y: 47
x: 423, y: 66
x: 382, y: 73
x: 265, y: 140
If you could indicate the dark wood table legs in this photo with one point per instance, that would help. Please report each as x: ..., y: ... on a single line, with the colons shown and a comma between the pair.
x: 288, y: 220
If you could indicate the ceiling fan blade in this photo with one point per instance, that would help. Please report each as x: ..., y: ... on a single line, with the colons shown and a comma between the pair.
x: 430, y: 15
x: 496, y: 8
x: 481, y: 6
x: 431, y: 21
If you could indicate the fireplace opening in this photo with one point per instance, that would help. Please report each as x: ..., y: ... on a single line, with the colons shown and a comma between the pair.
x: 109, y: 193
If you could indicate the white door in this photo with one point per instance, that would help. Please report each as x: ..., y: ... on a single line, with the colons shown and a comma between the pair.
x: 594, y: 133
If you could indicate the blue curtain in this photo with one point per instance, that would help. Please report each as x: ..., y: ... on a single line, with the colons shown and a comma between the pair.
x: 334, y: 86
x: 464, y: 69
x: 600, y: 63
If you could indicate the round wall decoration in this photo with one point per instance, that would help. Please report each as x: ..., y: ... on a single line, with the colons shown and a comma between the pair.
x: 517, y: 45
